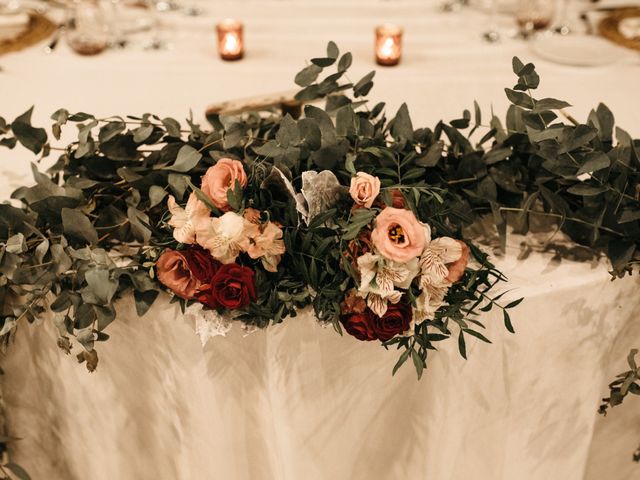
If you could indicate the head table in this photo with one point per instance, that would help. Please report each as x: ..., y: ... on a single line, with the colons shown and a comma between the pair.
x: 298, y: 401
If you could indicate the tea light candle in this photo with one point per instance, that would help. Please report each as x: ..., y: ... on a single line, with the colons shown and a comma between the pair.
x: 388, y: 44
x: 230, y: 39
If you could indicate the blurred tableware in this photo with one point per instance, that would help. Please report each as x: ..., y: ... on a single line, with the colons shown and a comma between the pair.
x: 622, y: 27
x: 534, y: 15
x: 156, y: 39
x: 492, y: 34
x: 453, y: 5
x: 87, y: 31
x: 20, y: 34
x: 54, y: 41
x: 388, y: 44
x: 230, y: 39
x: 12, y: 24
x: 577, y: 50
x: 563, y: 26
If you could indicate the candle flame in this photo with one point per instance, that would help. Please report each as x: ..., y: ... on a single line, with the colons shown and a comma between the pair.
x: 231, y: 44
x: 386, y: 50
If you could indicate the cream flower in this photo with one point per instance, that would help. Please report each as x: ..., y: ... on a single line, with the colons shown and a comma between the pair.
x: 263, y: 242
x: 437, y: 254
x: 430, y: 300
x: 379, y: 279
x: 222, y: 236
x: 434, y: 273
x: 183, y: 220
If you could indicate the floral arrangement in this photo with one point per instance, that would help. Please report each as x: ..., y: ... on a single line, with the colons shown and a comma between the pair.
x: 250, y: 221
x: 358, y: 216
x: 401, y: 275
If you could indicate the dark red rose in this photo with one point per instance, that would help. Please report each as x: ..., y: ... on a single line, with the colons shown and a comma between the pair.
x: 396, y: 321
x: 202, y: 265
x: 360, y: 325
x: 233, y: 286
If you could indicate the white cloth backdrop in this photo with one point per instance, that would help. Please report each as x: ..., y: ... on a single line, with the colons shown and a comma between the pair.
x: 298, y: 401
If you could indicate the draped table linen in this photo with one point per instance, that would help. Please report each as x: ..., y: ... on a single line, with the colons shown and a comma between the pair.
x: 298, y: 401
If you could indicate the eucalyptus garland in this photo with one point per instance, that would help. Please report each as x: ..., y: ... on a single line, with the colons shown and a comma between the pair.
x: 356, y: 215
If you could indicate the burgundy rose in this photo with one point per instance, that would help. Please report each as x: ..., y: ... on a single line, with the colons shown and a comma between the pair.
x: 397, y: 199
x: 396, y: 321
x: 202, y: 265
x: 360, y: 325
x: 233, y: 286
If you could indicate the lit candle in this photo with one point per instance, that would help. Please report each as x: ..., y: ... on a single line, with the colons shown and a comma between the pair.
x: 230, y: 41
x: 388, y: 44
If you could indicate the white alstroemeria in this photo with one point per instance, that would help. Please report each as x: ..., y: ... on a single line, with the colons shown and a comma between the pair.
x: 379, y: 279
x: 222, y: 236
x: 436, y: 255
x: 183, y: 220
x: 379, y: 303
x: 368, y: 266
x: 430, y: 299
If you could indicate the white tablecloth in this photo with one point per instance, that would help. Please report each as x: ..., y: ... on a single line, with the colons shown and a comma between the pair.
x: 298, y: 401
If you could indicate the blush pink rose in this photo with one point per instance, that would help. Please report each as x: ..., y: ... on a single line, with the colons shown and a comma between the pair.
x: 221, y: 177
x: 398, y: 235
x: 457, y: 268
x: 364, y: 189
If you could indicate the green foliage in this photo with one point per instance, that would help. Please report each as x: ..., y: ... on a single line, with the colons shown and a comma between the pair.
x: 625, y: 383
x: 104, y: 200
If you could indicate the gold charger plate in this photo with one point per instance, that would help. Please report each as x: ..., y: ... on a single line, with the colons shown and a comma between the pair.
x: 39, y: 28
x: 609, y: 27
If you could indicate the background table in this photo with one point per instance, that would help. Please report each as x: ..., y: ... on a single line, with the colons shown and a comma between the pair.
x: 298, y: 401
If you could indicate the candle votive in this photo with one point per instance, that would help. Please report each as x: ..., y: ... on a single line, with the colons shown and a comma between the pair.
x: 230, y: 39
x: 388, y: 44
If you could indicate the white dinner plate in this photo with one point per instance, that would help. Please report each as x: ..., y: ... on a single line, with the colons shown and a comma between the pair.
x: 578, y: 50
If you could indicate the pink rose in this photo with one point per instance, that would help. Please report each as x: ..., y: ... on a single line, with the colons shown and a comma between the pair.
x: 364, y: 189
x: 220, y: 178
x: 398, y: 235
x: 457, y: 268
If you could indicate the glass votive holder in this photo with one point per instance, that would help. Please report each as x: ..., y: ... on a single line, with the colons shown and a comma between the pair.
x: 388, y: 45
x: 230, y: 39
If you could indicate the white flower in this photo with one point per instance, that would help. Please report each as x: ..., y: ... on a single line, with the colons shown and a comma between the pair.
x: 436, y: 255
x: 183, y: 220
x: 433, y: 276
x: 379, y: 279
x: 221, y: 236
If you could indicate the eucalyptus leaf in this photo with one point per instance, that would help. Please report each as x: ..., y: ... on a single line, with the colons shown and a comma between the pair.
x: 77, y: 225
x: 188, y: 157
x: 30, y: 137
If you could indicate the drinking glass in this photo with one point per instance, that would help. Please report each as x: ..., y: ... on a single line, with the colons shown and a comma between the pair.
x: 534, y: 15
x: 87, y: 30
